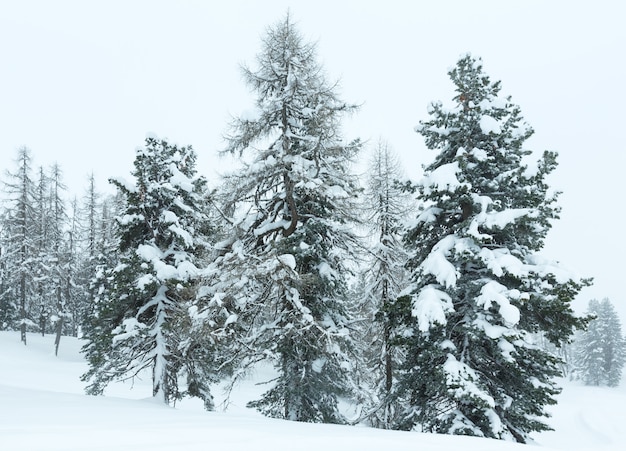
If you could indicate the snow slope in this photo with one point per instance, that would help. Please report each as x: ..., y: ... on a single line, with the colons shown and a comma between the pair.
x: 42, y: 407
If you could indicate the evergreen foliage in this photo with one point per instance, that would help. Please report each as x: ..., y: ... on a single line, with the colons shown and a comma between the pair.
x: 600, y: 351
x: 142, y: 301
x: 479, y: 289
x: 281, y: 281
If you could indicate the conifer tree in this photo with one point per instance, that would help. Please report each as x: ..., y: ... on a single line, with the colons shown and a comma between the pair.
x: 74, y: 287
x: 281, y: 281
x: 140, y: 318
x: 56, y: 254
x: 600, y: 351
x: 480, y: 291
x: 106, y: 254
x: 42, y: 307
x: 386, y: 208
x: 19, y: 247
x: 88, y: 216
x: 8, y: 306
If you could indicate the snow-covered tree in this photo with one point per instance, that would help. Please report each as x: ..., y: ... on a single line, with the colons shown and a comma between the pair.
x: 8, y: 305
x: 600, y: 351
x: 85, y: 252
x: 42, y: 305
x: 75, y: 288
x: 281, y: 281
x: 141, y: 320
x: 106, y: 254
x: 55, y: 254
x: 480, y: 290
x: 19, y: 245
x: 386, y: 207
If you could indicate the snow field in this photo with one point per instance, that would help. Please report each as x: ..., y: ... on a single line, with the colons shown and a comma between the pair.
x: 43, y: 408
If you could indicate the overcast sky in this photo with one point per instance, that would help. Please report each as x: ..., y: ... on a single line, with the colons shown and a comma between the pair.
x: 83, y: 82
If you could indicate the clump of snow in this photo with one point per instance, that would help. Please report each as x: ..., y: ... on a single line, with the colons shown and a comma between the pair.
x: 497, y: 103
x: 489, y: 124
x: 492, y: 331
x: 271, y: 226
x: 148, y: 252
x: 430, y: 307
x: 544, y: 267
x: 130, y: 187
x: 163, y: 271
x: 479, y: 154
x: 491, y: 219
x: 179, y: 179
x: 500, y: 260
x: 326, y: 271
x: 494, y: 292
x: 428, y: 215
x: 318, y: 365
x: 288, y: 260
x: 438, y: 265
x: 169, y: 217
x: 182, y: 233
x: 145, y: 280
x: 443, y: 178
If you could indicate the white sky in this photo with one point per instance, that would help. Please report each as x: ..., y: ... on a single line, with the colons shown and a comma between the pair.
x: 82, y: 82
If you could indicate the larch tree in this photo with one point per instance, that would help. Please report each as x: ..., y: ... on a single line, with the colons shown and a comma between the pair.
x: 141, y: 311
x: 87, y: 217
x: 480, y: 292
x: 600, y: 351
x: 281, y: 278
x: 19, y: 249
x: 386, y: 208
x: 42, y: 307
x: 75, y: 288
x: 55, y: 256
x: 8, y: 306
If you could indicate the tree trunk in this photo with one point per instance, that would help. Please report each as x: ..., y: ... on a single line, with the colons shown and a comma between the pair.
x: 23, y: 309
x: 59, y: 324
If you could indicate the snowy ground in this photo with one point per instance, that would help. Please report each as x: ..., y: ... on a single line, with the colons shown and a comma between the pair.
x: 42, y: 407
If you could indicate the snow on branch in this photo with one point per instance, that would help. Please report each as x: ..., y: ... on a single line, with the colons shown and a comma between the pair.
x: 494, y: 292
x: 430, y: 307
x: 443, y: 178
x: 438, y: 265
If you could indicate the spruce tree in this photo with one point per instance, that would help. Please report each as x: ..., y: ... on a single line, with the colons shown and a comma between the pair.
x: 281, y: 281
x: 480, y: 291
x: 600, y: 351
x: 140, y: 320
